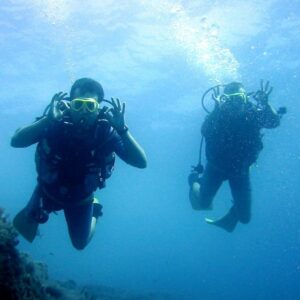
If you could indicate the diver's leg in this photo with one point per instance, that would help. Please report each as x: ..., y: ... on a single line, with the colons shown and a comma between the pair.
x: 81, y: 222
x: 34, y: 202
x: 202, y: 192
x: 240, y: 211
x: 241, y: 193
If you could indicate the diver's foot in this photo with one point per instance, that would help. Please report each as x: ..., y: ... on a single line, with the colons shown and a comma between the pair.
x: 39, y: 215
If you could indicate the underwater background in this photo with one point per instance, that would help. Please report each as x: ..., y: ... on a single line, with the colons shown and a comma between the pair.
x: 160, y: 57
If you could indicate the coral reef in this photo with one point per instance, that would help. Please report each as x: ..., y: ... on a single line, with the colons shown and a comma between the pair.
x: 17, y: 280
x: 21, y: 278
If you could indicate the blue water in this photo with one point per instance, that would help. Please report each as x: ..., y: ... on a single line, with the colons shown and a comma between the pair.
x: 159, y: 57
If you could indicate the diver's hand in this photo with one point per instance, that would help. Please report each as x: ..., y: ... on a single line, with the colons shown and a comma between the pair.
x: 59, y: 106
x: 115, y: 115
x: 216, y: 95
x: 262, y: 95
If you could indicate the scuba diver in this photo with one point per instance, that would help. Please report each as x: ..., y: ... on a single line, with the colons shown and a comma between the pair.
x: 233, y: 141
x: 76, y: 144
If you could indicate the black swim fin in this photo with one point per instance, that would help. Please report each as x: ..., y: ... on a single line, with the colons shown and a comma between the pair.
x: 26, y: 225
x: 228, y: 222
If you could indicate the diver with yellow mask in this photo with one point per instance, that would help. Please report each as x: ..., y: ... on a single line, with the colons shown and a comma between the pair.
x: 233, y: 141
x: 77, y: 140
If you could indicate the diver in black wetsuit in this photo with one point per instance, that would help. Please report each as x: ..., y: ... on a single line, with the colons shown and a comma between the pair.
x: 76, y: 144
x: 233, y: 142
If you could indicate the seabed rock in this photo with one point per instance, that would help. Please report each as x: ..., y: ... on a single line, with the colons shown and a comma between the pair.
x: 21, y: 278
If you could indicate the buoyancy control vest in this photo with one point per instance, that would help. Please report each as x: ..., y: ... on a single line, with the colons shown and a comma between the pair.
x: 81, y: 165
x: 232, y: 143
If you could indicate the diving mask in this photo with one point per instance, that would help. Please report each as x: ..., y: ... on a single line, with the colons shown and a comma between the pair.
x: 236, y: 97
x: 90, y: 104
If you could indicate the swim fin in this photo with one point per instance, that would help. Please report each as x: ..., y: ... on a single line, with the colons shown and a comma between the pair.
x: 26, y: 225
x: 228, y: 222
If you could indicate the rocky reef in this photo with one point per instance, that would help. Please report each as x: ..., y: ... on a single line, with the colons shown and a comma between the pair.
x: 21, y: 278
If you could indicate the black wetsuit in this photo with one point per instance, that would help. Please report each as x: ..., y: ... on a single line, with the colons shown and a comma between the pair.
x: 69, y: 165
x: 233, y: 142
x: 70, y: 169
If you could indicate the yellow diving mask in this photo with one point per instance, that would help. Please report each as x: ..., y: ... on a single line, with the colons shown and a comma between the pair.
x: 90, y: 104
x: 236, y: 96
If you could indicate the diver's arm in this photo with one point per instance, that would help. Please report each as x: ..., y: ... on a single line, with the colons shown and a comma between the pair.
x: 29, y: 135
x: 268, y: 117
x: 134, y: 153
